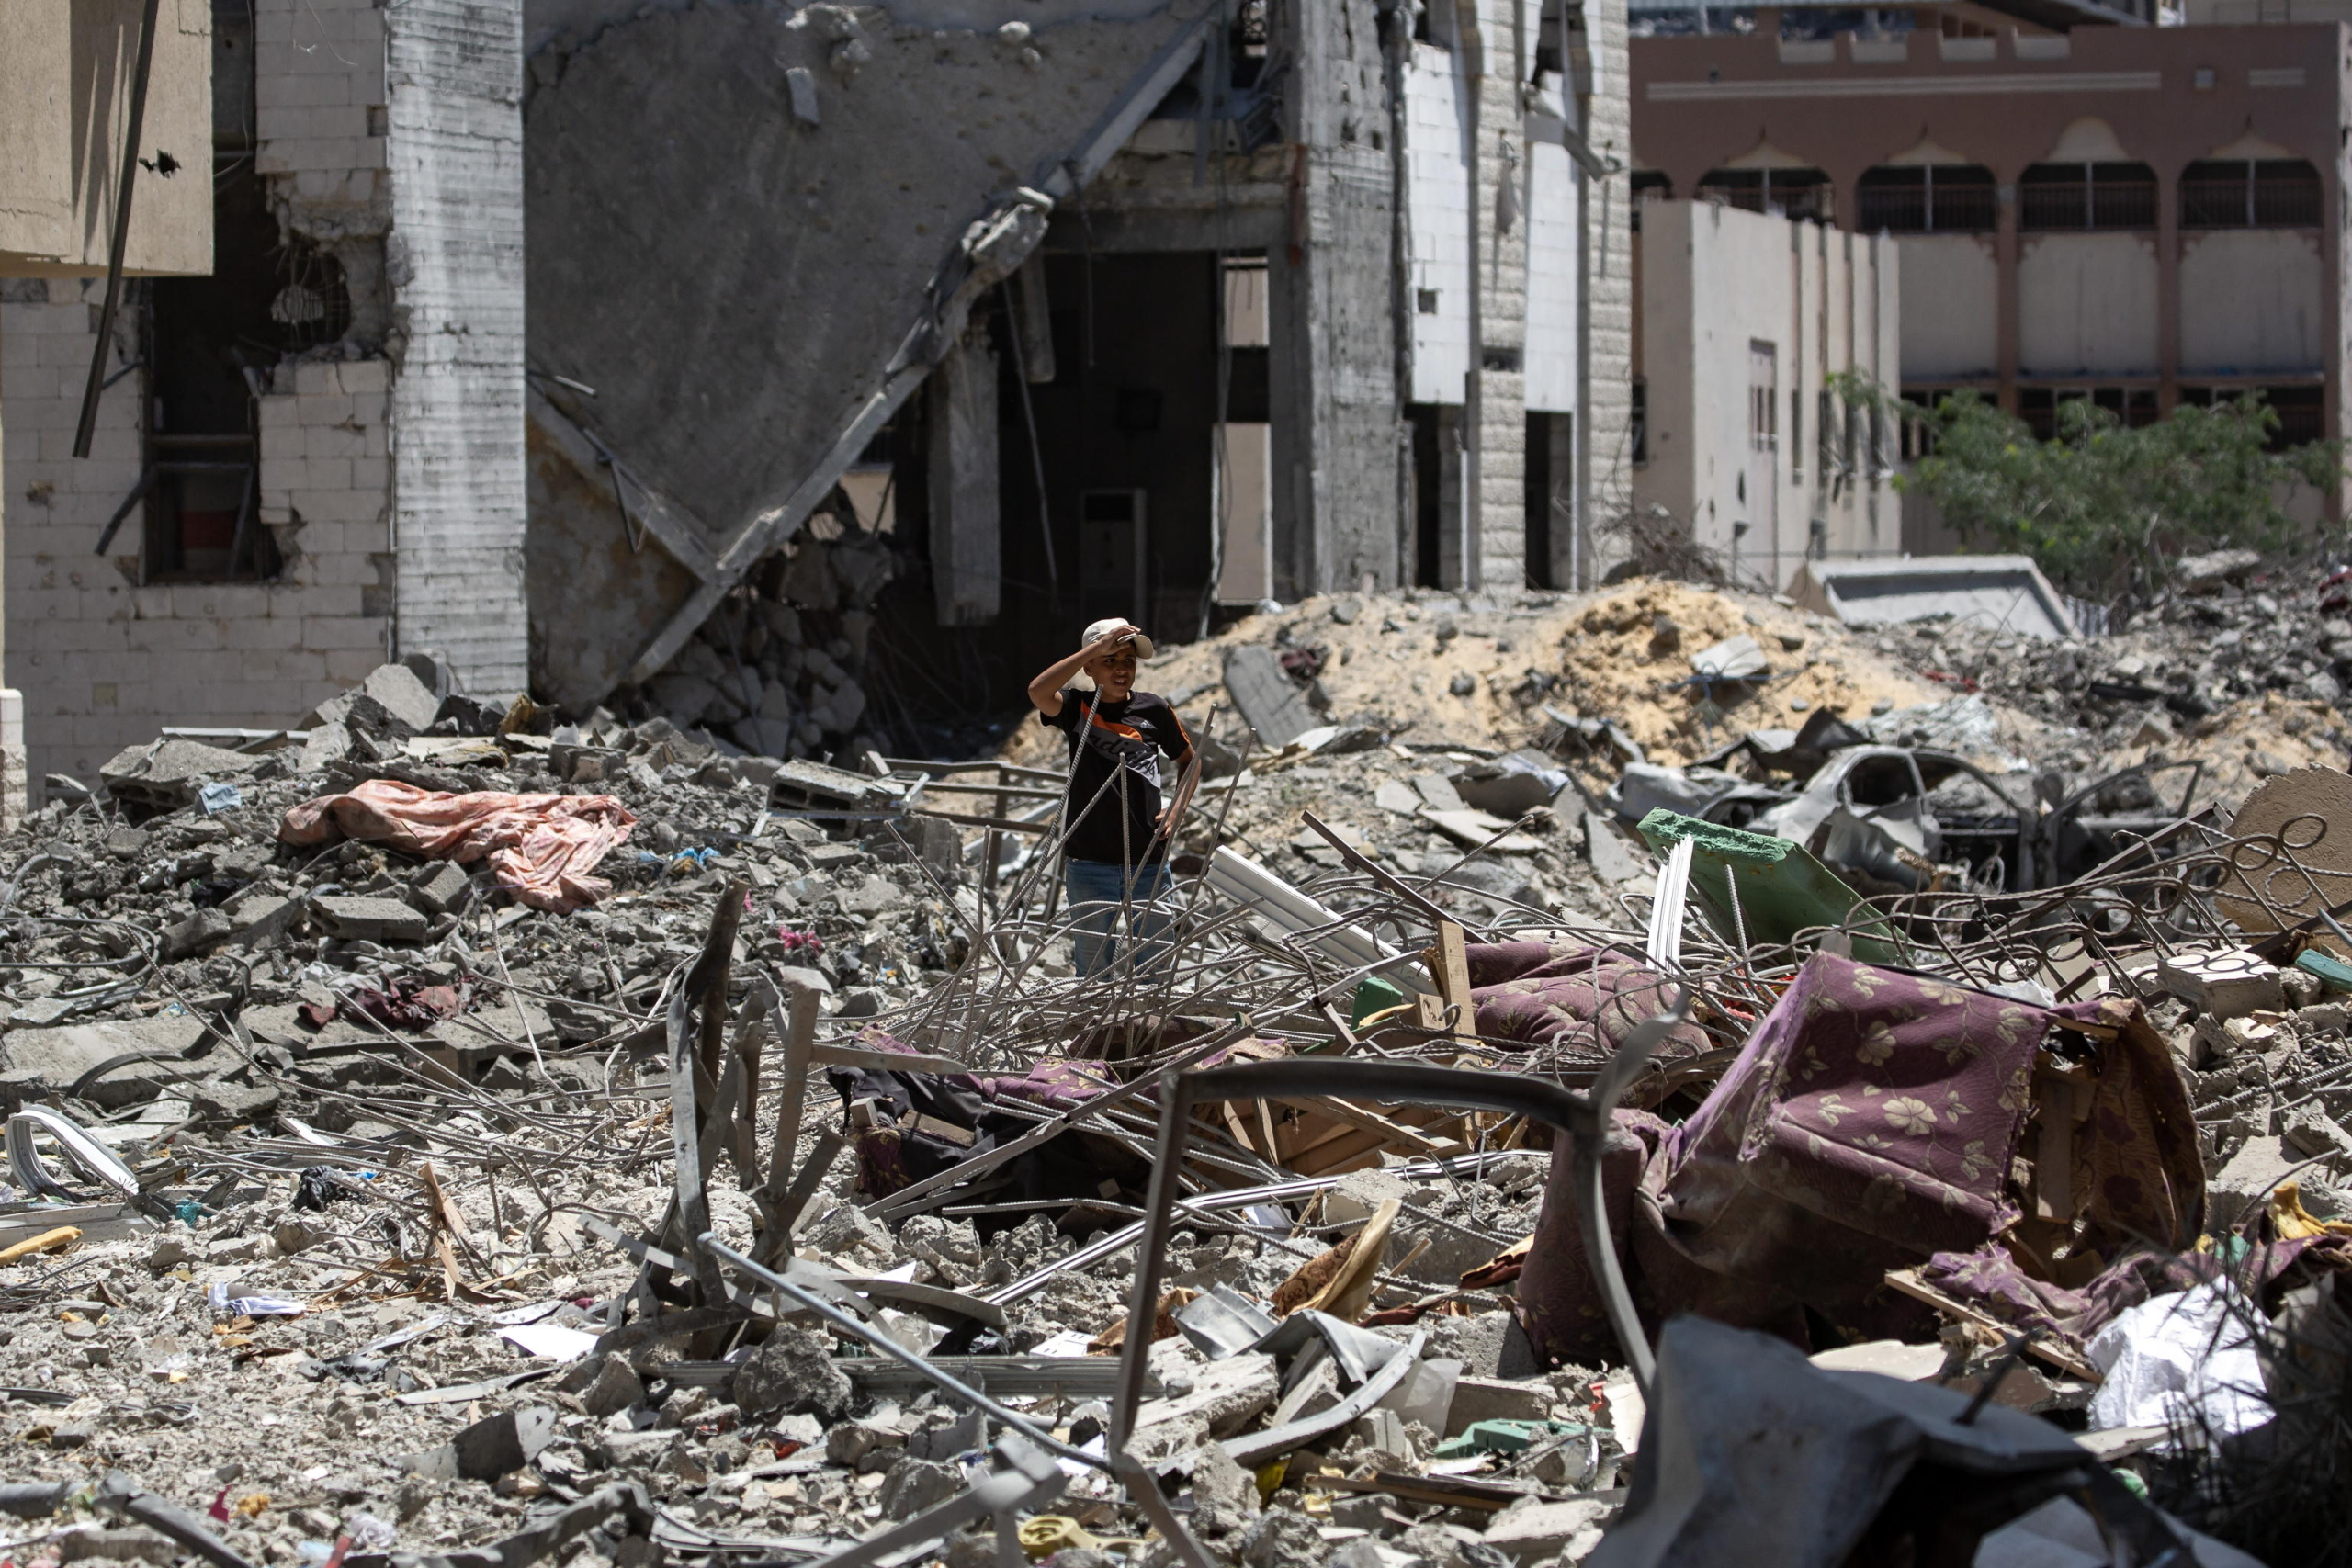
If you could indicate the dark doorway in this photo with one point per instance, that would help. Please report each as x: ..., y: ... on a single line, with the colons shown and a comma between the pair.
x: 1429, y: 473
x: 1125, y: 435
x: 209, y: 341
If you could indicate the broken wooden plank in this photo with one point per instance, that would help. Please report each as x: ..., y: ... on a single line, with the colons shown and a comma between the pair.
x: 1907, y: 1281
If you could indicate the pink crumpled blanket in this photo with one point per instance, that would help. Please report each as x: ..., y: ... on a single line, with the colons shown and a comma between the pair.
x: 542, y: 847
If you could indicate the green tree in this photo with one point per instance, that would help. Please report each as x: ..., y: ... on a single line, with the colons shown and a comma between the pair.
x: 2106, y: 509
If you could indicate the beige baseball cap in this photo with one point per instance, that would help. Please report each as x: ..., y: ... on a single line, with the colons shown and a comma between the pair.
x: 1110, y: 624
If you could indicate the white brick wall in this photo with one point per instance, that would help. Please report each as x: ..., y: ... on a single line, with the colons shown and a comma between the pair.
x: 1551, y: 279
x: 103, y: 662
x: 1437, y: 192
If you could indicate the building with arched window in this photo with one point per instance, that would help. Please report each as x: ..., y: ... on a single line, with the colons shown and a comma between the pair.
x: 2142, y: 216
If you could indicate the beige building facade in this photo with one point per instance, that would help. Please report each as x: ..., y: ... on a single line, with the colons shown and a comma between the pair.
x: 69, y: 74
x: 312, y: 458
x: 1748, y: 322
x: 2139, y: 215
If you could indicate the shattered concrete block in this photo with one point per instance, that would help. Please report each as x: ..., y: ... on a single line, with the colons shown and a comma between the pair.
x: 293, y: 1234
x: 2313, y: 1134
x: 853, y: 1443
x: 962, y: 1435
x: 200, y: 932
x: 872, y: 897
x: 117, y: 1545
x: 1533, y: 1531
x: 1224, y: 1395
x: 1268, y: 701
x: 264, y: 918
x: 1613, y: 858
x: 1280, y: 1538
x: 795, y: 979
x: 355, y: 918
x: 439, y: 886
x: 635, y: 1450
x: 1497, y: 1399
x: 1382, y: 1430
x: 2223, y: 983
x: 1220, y: 1484
x: 2206, y: 573
x: 2244, y: 1182
x: 327, y: 744
x: 605, y: 1385
x: 793, y: 1371
x: 914, y: 1485
x: 166, y: 776
x: 404, y: 696
x: 937, y: 844
x: 506, y: 1442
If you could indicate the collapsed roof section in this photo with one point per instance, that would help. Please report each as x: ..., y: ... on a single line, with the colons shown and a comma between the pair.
x: 752, y: 231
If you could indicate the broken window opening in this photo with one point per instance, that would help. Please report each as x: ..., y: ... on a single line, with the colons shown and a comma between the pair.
x: 2038, y: 406
x: 210, y: 340
x: 1802, y: 193
x: 2302, y: 410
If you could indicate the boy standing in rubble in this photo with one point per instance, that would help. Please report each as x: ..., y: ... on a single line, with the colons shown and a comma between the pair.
x: 1116, y: 832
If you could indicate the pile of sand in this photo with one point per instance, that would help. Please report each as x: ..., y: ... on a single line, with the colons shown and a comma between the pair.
x: 1625, y: 654
x: 1398, y: 657
x: 1620, y: 662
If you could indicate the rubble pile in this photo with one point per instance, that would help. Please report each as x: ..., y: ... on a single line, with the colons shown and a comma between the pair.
x: 781, y: 671
x: 1428, y: 666
x: 2243, y: 670
x: 439, y: 1135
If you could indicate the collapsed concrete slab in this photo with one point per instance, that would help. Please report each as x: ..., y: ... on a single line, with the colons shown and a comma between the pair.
x: 2002, y: 592
x: 870, y: 177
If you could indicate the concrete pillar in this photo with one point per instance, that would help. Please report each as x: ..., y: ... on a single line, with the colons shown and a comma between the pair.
x: 454, y: 79
x: 966, y: 530
x: 1498, y: 244
x: 1331, y: 324
x: 1605, y: 403
x: 15, y: 786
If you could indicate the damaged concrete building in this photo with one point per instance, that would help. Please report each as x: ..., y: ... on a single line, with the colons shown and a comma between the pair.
x: 312, y: 457
x: 979, y: 328
x: 971, y: 325
x: 75, y: 76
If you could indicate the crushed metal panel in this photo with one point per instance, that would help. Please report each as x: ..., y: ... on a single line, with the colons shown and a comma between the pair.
x: 2004, y: 593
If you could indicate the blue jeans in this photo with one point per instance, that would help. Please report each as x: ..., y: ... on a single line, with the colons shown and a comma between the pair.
x: 1098, y: 891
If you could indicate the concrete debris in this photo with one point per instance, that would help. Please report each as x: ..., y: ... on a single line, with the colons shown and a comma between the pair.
x: 791, y: 1188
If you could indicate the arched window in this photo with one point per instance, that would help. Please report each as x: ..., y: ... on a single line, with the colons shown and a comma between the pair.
x: 2250, y: 193
x: 1793, y: 193
x: 2057, y: 197
x: 1924, y: 199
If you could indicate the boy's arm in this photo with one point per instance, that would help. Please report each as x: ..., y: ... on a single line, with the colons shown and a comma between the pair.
x: 1045, y: 686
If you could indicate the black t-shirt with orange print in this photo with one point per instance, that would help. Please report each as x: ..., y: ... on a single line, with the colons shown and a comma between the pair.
x: 1121, y: 743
